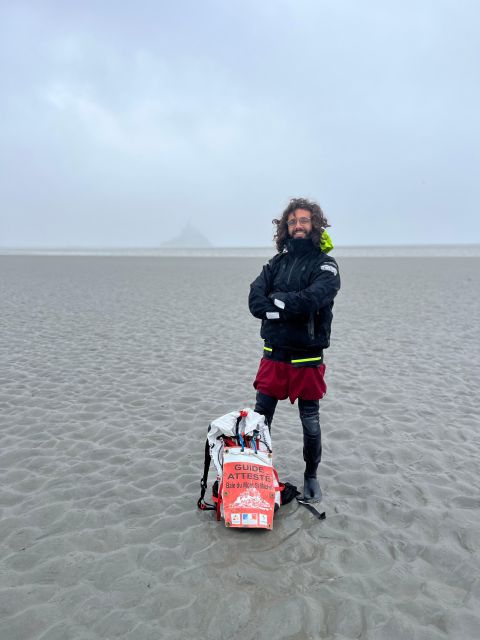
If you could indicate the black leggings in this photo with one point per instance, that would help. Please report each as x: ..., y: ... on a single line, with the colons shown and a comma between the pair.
x: 309, y: 411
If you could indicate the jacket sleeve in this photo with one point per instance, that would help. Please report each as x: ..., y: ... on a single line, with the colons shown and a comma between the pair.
x: 258, y: 301
x: 320, y: 292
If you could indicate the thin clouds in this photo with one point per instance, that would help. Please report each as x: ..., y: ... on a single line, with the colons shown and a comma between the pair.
x: 153, y: 106
x: 222, y: 113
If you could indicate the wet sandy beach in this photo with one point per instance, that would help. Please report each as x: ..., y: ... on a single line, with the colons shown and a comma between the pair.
x: 110, y: 371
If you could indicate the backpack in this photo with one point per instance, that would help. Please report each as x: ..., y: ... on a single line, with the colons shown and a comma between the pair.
x: 247, y: 491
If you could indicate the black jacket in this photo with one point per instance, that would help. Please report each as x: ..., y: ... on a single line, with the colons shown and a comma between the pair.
x: 298, y: 287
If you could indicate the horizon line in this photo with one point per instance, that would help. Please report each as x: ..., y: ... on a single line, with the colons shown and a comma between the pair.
x: 196, y: 248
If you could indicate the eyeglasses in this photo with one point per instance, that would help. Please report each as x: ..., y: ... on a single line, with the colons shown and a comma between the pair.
x: 294, y: 221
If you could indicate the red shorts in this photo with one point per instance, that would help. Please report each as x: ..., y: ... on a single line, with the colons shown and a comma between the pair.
x: 282, y: 380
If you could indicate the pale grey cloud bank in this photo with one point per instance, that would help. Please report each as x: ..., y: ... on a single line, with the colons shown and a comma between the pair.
x: 119, y: 123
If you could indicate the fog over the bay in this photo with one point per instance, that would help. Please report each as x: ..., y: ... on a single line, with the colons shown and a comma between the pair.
x: 122, y: 122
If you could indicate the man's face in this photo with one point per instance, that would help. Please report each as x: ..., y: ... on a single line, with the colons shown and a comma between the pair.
x: 299, y: 224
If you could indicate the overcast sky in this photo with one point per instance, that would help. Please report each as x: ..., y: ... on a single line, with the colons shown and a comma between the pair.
x: 122, y: 121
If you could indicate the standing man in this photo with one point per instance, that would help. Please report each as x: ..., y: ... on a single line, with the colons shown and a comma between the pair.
x: 293, y: 297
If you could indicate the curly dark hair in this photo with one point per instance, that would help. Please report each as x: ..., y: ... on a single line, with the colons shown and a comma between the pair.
x: 319, y: 222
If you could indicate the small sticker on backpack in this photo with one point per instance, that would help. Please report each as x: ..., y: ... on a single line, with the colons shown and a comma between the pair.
x: 249, y: 519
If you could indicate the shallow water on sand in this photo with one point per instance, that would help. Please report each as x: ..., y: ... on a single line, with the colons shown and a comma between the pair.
x: 110, y: 371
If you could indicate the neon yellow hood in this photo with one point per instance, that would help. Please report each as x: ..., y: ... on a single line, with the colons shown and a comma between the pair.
x: 326, y: 244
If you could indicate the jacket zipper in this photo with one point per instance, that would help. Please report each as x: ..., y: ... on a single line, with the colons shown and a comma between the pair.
x: 311, y: 328
x: 291, y: 269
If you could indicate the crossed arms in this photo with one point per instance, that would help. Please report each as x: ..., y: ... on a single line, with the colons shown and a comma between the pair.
x: 291, y: 305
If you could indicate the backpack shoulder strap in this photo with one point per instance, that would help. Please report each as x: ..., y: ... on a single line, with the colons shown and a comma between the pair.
x: 201, y: 504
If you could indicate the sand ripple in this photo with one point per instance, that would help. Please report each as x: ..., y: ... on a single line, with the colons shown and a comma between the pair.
x: 111, y: 369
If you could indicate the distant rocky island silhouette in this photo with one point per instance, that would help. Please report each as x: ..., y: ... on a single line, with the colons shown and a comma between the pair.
x: 189, y: 238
